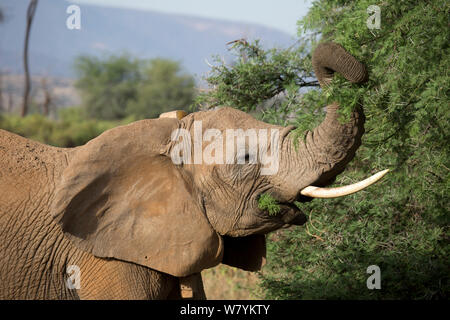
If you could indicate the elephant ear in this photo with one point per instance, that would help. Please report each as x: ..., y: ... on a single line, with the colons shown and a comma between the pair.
x: 247, y: 253
x: 121, y: 197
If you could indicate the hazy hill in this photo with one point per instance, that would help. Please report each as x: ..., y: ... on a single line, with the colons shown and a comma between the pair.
x: 144, y: 34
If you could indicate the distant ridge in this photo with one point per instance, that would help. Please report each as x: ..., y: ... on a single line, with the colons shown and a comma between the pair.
x: 105, y: 30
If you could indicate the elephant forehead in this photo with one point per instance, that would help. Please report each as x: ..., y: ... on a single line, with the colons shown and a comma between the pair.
x: 226, y: 118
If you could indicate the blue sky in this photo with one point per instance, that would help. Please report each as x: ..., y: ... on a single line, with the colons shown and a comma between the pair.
x: 280, y: 14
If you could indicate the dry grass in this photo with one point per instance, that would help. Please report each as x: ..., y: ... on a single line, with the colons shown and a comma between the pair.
x: 228, y: 283
x: 62, y: 90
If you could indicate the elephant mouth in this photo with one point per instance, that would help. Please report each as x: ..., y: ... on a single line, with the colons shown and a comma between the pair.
x: 290, y: 214
x: 283, y: 212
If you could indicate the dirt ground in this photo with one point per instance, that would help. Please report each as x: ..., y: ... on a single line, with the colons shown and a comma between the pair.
x: 228, y: 283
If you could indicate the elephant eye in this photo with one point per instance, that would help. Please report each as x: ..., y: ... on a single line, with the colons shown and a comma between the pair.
x: 247, y: 159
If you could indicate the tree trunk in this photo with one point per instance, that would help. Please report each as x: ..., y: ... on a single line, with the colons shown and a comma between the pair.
x: 47, y: 97
x: 30, y: 14
x: 2, y: 105
x: 10, y: 101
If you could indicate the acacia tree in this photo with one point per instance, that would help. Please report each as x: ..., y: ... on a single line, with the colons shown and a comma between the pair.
x: 163, y: 87
x: 400, y: 224
x: 119, y: 86
x: 107, y: 85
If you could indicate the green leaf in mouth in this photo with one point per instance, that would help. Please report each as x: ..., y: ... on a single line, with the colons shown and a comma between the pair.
x: 268, y: 203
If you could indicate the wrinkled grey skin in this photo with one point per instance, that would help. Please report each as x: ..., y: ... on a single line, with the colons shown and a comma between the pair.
x: 34, y: 253
x: 62, y: 207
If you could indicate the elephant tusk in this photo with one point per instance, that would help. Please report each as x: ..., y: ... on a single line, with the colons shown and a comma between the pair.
x: 317, y: 192
x: 177, y: 114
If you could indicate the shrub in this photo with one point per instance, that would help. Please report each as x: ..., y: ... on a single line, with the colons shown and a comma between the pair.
x: 399, y: 224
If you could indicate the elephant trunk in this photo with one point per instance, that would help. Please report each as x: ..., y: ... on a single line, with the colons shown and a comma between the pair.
x: 329, y: 58
x: 326, y: 150
x: 333, y: 144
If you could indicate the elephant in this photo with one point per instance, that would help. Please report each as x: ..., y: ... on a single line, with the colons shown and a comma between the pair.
x: 132, y: 223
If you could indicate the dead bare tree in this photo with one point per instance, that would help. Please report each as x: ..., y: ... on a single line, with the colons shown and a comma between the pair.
x: 2, y: 106
x: 10, y: 101
x: 47, y: 97
x: 30, y: 14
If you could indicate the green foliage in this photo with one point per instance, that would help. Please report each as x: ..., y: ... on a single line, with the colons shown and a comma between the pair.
x: 33, y: 126
x: 401, y: 223
x: 108, y: 85
x: 163, y: 87
x: 268, y: 203
x: 72, y: 129
x: 256, y: 76
x: 115, y: 91
x: 119, y: 86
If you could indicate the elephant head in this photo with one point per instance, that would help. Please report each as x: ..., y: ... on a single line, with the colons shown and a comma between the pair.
x: 123, y: 195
